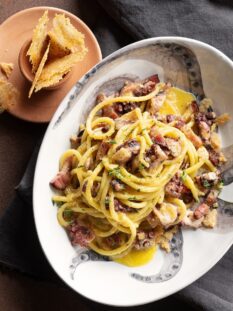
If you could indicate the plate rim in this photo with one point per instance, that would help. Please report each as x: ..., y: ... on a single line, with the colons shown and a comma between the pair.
x: 56, y: 115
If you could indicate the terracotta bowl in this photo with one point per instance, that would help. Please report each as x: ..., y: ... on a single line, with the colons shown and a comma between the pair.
x: 26, y: 68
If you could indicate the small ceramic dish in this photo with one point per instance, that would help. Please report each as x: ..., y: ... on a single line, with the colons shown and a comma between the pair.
x: 191, y: 65
x: 26, y: 68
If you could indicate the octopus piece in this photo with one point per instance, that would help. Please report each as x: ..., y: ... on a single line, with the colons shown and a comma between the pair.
x: 145, y: 89
x: 122, y: 108
x: 120, y: 207
x: 95, y: 188
x: 208, y: 180
x: 156, y: 103
x: 203, y: 125
x: 194, y: 107
x: 126, y: 119
x: 167, y: 213
x: 192, y: 222
x: 153, y: 220
x: 173, y: 146
x: 172, y: 117
x: 144, y: 239
x: 154, y: 78
x: 126, y: 151
x: 75, y: 140
x: 102, y: 150
x: 189, y: 133
x: 109, y: 111
x: 63, y: 177
x: 216, y: 157
x: 129, y: 88
x: 211, y: 197
x: 160, y: 140
x: 122, y: 156
x: 174, y: 187
x: 117, y: 185
x: 201, y: 211
x: 80, y: 234
x: 100, y: 98
x: 155, y: 155
x: 113, y: 241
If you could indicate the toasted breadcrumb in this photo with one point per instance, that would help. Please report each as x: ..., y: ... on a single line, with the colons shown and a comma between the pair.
x: 223, y: 118
x: 215, y: 141
x: 163, y: 238
x: 210, y: 219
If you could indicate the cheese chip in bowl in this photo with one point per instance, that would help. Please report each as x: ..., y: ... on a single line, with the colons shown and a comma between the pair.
x: 39, y: 70
x: 37, y: 46
x: 57, y: 50
x: 67, y: 36
x: 54, y: 71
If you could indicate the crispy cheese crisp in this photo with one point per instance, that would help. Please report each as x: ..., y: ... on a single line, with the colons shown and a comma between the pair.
x: 39, y: 70
x: 54, y: 71
x: 6, y: 69
x: 37, y: 47
x: 57, y: 50
x: 8, y: 95
x: 67, y: 36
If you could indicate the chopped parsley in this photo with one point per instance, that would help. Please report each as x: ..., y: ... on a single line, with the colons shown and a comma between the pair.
x: 79, y: 166
x: 215, y: 205
x: 221, y: 184
x: 68, y: 215
x: 59, y: 204
x: 183, y: 176
x: 115, y: 172
x: 106, y: 201
x: 141, y: 166
x: 206, y: 184
x: 132, y: 198
x: 112, y: 142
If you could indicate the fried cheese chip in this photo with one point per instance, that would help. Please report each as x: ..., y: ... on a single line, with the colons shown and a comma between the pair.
x: 67, y: 36
x: 6, y: 69
x: 54, y: 71
x: 37, y: 47
x: 56, y: 49
x: 8, y: 95
x: 39, y: 70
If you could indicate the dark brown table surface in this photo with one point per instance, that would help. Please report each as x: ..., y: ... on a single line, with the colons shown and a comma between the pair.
x: 17, y: 140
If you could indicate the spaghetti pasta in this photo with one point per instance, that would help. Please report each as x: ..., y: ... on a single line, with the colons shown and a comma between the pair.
x: 134, y: 171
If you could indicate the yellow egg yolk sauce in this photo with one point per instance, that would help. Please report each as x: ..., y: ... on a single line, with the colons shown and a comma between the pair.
x: 136, y: 258
x: 176, y: 101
